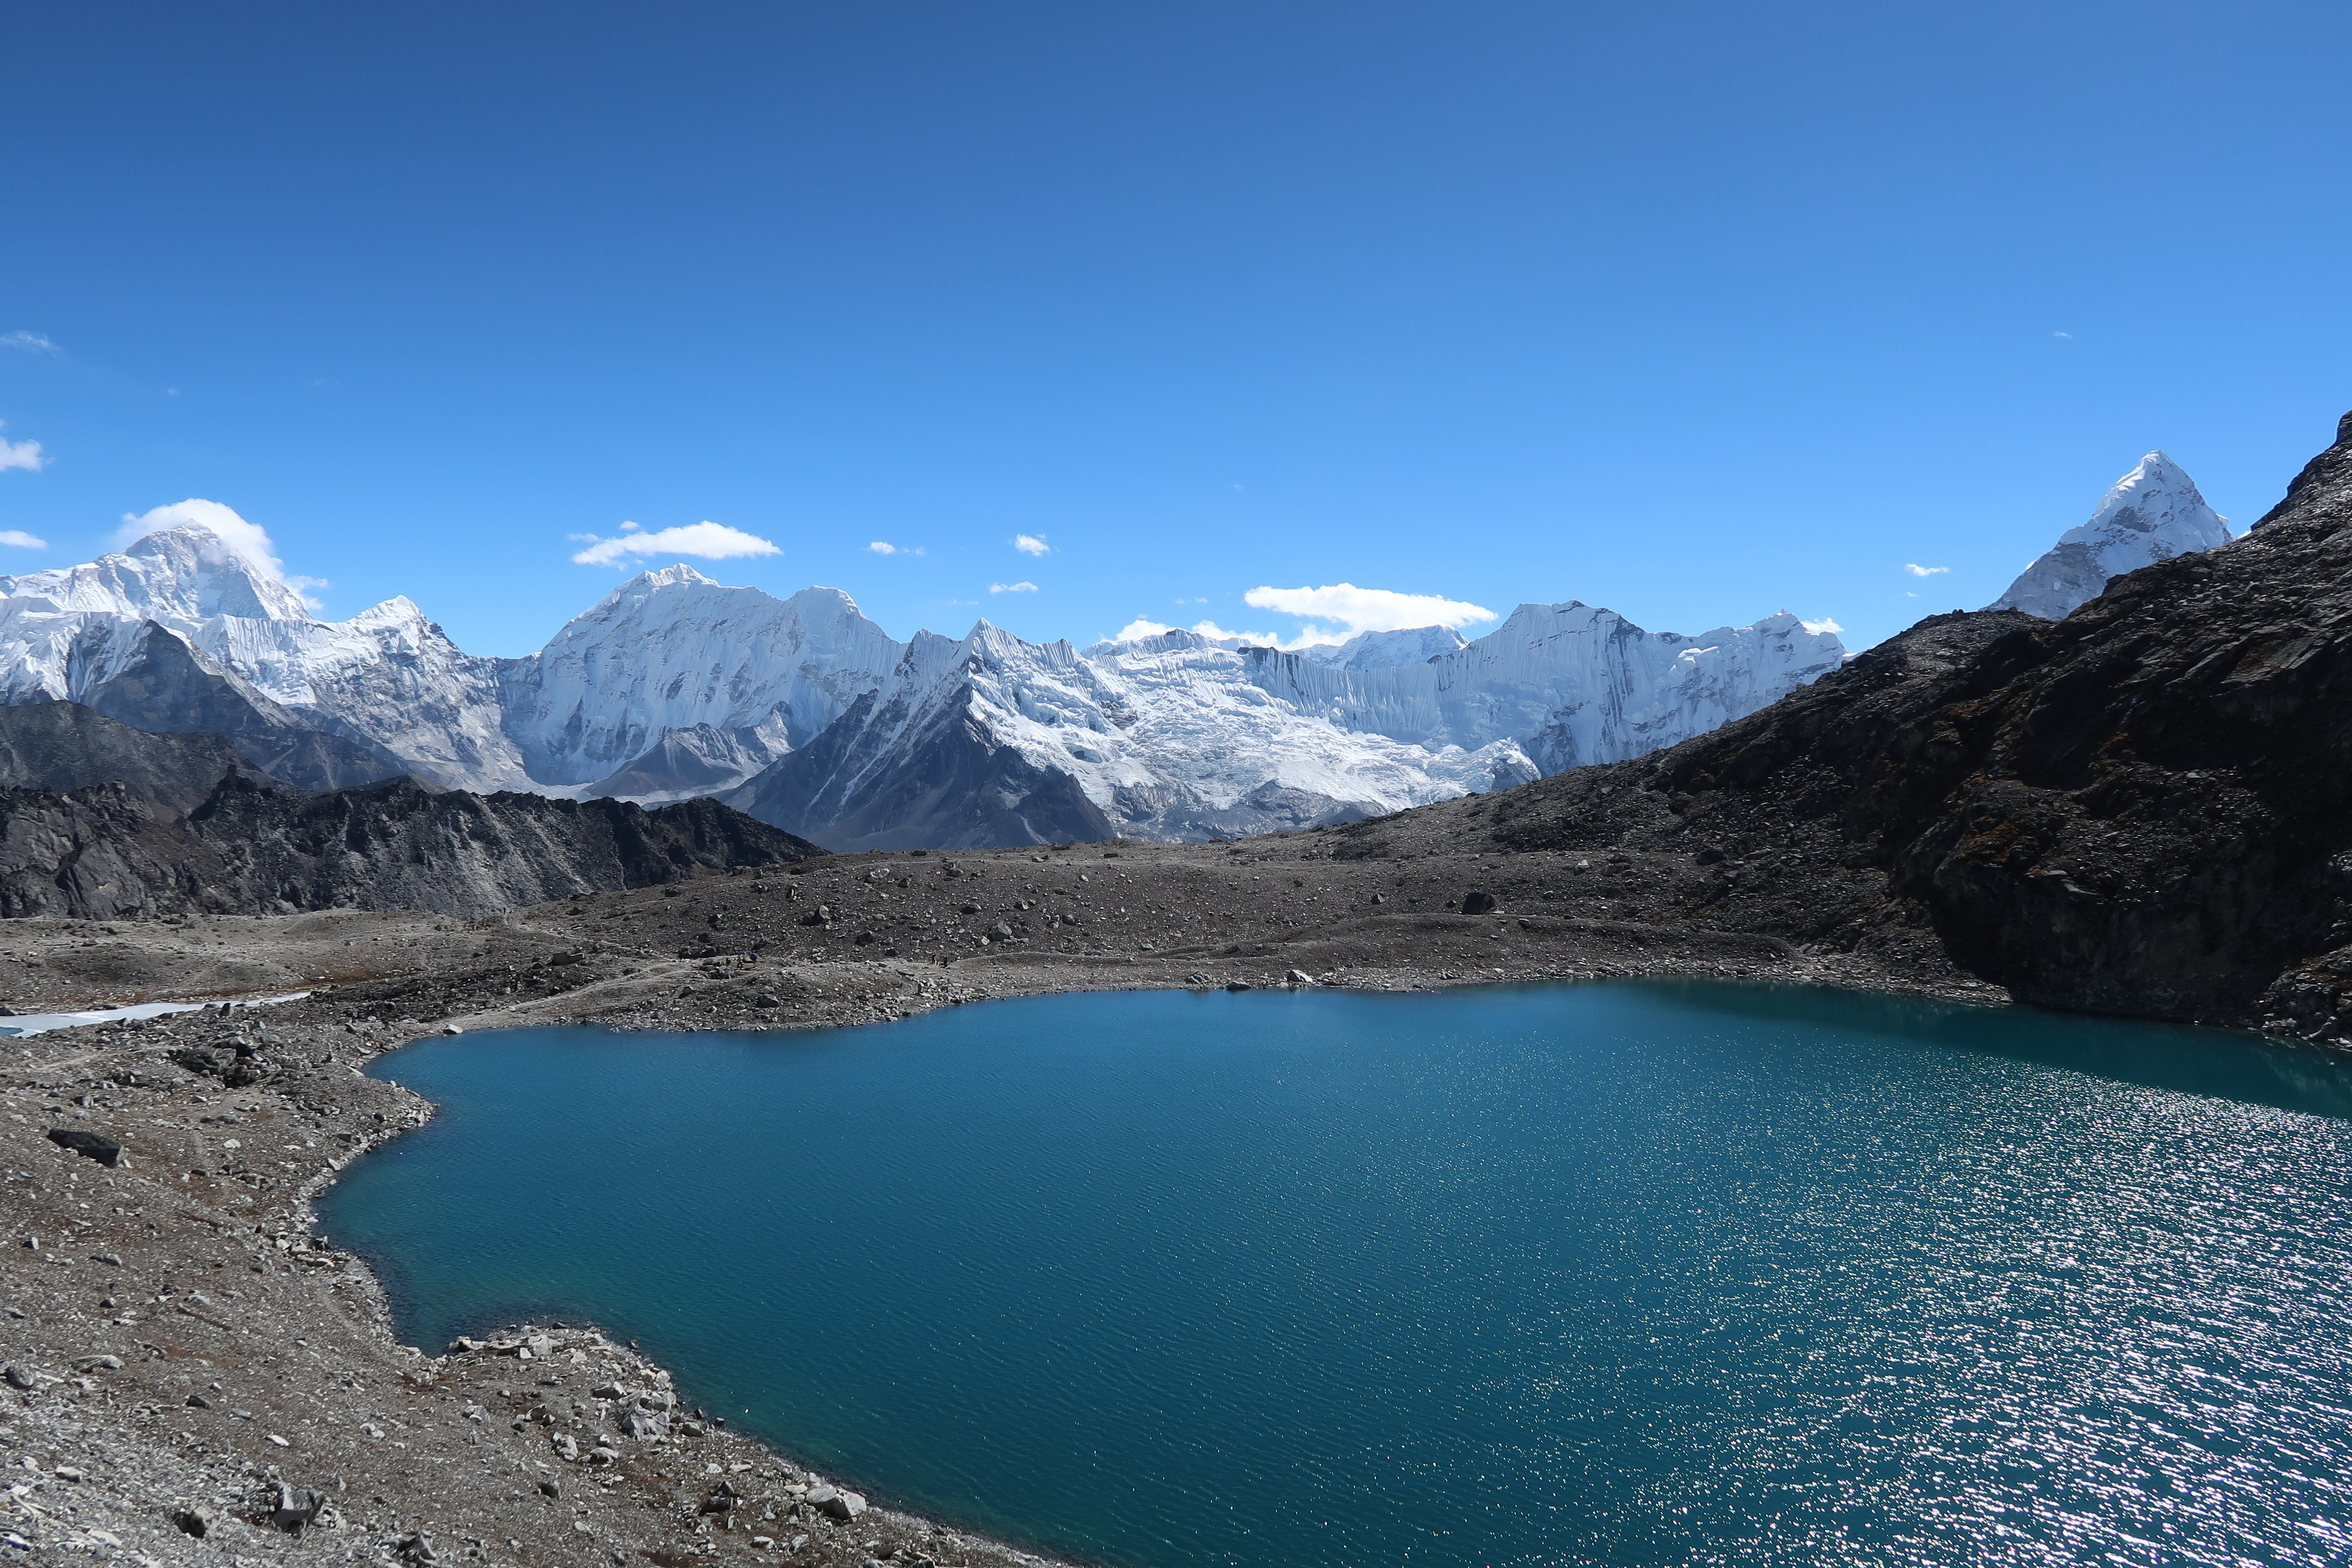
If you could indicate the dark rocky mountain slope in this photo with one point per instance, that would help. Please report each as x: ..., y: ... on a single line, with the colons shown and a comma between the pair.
x: 64, y: 746
x: 2145, y: 808
x: 887, y: 775
x: 104, y: 853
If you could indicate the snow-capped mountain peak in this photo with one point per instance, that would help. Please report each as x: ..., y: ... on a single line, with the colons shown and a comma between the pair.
x: 812, y: 716
x: 2151, y: 514
x: 178, y: 577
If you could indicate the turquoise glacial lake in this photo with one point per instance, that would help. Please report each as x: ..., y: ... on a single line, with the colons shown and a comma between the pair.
x: 1637, y: 1273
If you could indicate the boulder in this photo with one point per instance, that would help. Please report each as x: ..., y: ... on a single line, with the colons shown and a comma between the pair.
x: 92, y: 1145
x: 294, y: 1507
x: 835, y: 1503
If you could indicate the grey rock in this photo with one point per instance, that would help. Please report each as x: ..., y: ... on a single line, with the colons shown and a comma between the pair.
x: 295, y: 1507
x: 192, y: 1521
x: 1479, y: 902
x: 98, y: 1363
x: 90, y: 1145
x: 17, y: 1377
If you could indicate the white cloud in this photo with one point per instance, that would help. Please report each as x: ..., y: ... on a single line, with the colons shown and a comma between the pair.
x: 1313, y: 636
x: 25, y: 455
x: 31, y: 343
x: 21, y: 540
x: 710, y: 540
x: 1823, y: 625
x: 1013, y: 587
x: 1918, y: 570
x: 247, y: 539
x: 1031, y: 544
x: 881, y: 548
x: 2062, y: 334
x: 1140, y: 628
x: 1367, y: 609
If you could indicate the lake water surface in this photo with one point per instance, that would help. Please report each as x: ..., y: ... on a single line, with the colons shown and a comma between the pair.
x: 1639, y: 1273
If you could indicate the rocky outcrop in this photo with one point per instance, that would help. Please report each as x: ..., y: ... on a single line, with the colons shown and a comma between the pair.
x: 2145, y: 808
x: 252, y: 849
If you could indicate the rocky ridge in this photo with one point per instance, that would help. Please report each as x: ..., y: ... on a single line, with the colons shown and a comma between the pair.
x: 248, y: 847
x: 2139, y: 809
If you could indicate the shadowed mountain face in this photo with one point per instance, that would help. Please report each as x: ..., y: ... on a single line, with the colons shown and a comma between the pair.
x: 64, y: 746
x: 160, y: 686
x: 249, y: 849
x: 2144, y: 809
x: 887, y: 775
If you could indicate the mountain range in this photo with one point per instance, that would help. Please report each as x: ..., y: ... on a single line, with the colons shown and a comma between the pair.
x: 811, y: 717
x: 807, y: 715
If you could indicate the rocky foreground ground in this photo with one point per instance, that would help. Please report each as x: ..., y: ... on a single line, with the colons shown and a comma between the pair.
x: 195, y: 1375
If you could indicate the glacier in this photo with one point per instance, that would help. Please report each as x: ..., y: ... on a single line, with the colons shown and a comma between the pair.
x: 2151, y: 514
x: 807, y: 714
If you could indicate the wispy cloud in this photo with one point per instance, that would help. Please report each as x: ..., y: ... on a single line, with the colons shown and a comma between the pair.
x: 1032, y: 544
x: 710, y: 540
x: 2062, y: 334
x: 21, y: 540
x: 26, y: 455
x: 1823, y: 625
x: 880, y: 547
x: 29, y: 343
x: 1918, y: 570
x: 1013, y: 587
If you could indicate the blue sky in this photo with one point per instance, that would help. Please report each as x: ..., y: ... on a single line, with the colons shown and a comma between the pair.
x: 1695, y: 311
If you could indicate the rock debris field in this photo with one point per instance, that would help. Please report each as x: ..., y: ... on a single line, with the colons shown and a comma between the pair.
x: 194, y: 1375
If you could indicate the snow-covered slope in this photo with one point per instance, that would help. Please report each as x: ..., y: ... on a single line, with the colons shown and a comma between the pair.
x: 816, y: 719
x: 673, y: 651
x: 2152, y: 514
x: 1572, y: 683
x: 1165, y: 737
x: 1384, y: 650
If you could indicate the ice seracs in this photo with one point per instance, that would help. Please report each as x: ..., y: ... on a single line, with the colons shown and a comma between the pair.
x: 807, y: 714
x: 2152, y: 514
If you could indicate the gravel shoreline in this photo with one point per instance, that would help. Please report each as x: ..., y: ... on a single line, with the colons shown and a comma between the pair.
x: 196, y: 1376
